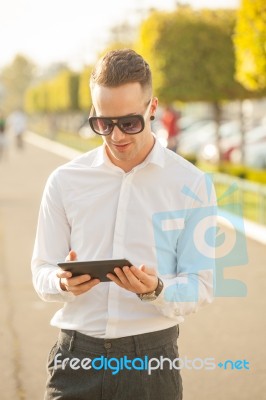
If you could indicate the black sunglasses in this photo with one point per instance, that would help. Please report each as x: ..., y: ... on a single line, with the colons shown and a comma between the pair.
x: 130, y: 125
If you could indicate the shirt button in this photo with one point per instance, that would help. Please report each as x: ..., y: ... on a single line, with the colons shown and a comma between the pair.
x: 107, y: 345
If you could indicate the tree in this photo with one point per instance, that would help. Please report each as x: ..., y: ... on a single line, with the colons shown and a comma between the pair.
x: 250, y: 39
x: 192, y: 56
x: 15, y: 79
x: 58, y: 94
x: 123, y: 34
x: 84, y: 96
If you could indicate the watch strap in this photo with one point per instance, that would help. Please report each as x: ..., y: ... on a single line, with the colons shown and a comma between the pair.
x: 154, y: 294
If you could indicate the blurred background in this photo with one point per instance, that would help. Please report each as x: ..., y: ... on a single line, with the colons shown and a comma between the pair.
x: 208, y: 65
x: 209, y: 68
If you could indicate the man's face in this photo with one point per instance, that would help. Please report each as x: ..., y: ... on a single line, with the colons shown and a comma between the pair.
x: 125, y: 151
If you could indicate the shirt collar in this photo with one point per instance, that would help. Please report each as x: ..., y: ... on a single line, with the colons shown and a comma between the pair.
x: 156, y: 156
x: 99, y: 157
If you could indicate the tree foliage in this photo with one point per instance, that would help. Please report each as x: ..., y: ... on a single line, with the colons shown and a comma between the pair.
x: 250, y: 42
x: 192, y: 57
x: 15, y: 78
x: 191, y: 54
x: 57, y: 94
x: 84, y: 95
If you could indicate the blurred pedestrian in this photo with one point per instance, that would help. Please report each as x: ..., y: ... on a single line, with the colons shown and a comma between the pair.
x: 3, y: 136
x: 170, y: 118
x: 17, y: 122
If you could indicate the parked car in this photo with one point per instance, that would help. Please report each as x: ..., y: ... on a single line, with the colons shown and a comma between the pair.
x: 254, y: 149
x: 188, y: 125
x: 195, y: 137
x: 230, y: 142
x: 229, y: 136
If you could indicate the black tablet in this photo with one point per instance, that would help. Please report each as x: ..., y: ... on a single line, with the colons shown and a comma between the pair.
x: 96, y: 269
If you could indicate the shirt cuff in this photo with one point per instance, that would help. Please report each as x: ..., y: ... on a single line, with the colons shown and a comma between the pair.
x: 162, y: 301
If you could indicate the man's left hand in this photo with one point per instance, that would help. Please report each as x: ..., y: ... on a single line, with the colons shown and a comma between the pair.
x: 137, y: 280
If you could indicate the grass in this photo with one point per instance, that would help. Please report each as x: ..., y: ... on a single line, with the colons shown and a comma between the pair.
x: 249, y: 198
x: 252, y: 204
x: 71, y: 139
x: 77, y: 142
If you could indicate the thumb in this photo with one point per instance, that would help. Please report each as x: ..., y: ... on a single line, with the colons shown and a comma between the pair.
x: 72, y: 256
x: 148, y: 270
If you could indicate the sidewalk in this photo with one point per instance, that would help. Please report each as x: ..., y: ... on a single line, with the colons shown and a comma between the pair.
x: 24, y: 319
x: 230, y: 328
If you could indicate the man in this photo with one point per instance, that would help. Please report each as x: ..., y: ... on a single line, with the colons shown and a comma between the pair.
x: 112, y: 203
x: 17, y: 121
x: 3, y: 139
x: 170, y: 121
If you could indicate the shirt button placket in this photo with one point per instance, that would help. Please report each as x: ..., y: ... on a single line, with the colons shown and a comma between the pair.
x: 121, y: 218
x: 118, y: 252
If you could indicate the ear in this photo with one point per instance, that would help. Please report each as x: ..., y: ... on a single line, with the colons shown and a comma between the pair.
x: 154, y: 105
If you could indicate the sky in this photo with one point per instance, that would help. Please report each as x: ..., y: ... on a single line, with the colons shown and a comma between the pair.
x: 72, y: 31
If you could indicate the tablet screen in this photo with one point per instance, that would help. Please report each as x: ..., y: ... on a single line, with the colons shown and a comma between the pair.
x: 96, y: 269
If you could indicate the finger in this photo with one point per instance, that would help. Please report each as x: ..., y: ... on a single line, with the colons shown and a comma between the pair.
x: 63, y: 274
x: 78, y: 280
x: 120, y: 273
x: 143, y: 276
x: 72, y: 256
x: 69, y: 283
x: 84, y: 287
x: 126, y: 279
x: 147, y: 270
x: 114, y: 278
x: 145, y: 283
x: 141, y: 283
x: 133, y: 280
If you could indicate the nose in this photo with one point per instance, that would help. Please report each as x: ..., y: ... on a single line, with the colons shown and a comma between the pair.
x: 117, y: 135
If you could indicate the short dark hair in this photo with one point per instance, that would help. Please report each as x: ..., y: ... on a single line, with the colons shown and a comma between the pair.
x: 118, y: 67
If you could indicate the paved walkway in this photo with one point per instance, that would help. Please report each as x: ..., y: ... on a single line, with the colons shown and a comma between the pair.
x: 230, y: 328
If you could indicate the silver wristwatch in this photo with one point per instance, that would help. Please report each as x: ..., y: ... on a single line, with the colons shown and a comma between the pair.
x: 152, y: 295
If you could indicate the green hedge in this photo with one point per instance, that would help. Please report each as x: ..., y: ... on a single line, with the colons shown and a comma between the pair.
x: 244, y: 172
x: 240, y: 171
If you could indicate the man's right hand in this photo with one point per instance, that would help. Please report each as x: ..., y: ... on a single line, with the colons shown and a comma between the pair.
x: 78, y: 284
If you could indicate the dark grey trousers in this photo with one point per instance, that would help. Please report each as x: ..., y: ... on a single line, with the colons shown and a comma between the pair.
x: 81, y: 367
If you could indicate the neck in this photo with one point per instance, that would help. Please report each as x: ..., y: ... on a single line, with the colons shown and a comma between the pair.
x: 128, y: 164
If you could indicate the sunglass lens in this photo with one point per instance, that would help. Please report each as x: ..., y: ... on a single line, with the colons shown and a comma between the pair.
x: 131, y: 125
x: 102, y: 126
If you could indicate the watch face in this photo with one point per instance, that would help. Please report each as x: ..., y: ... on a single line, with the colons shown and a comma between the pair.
x: 148, y: 297
x: 153, y: 295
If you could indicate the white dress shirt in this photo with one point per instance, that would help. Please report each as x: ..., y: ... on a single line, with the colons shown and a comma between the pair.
x: 101, y: 212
